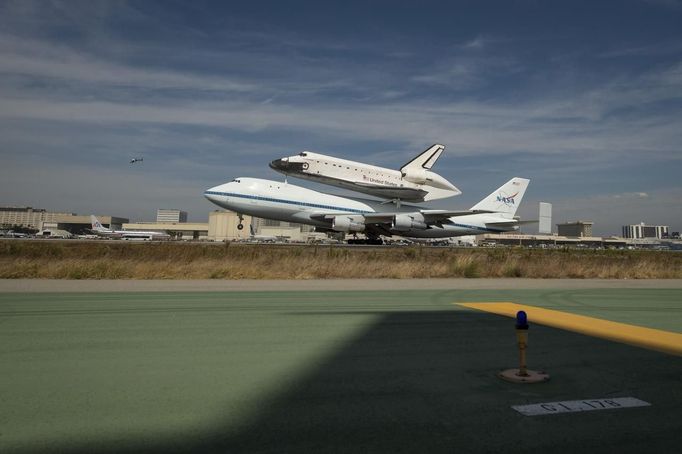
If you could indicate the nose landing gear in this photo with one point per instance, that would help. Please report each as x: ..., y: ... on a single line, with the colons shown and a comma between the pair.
x: 240, y: 226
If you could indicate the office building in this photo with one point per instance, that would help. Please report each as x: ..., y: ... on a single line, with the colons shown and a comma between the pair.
x: 642, y: 230
x: 577, y: 229
x: 171, y: 215
x: 28, y: 216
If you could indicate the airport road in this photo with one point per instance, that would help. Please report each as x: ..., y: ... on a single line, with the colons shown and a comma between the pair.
x: 317, y: 371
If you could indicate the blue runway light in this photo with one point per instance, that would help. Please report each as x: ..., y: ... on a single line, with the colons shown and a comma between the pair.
x: 523, y: 374
x: 521, y: 320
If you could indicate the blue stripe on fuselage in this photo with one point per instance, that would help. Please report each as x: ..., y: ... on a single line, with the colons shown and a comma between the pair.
x: 289, y: 202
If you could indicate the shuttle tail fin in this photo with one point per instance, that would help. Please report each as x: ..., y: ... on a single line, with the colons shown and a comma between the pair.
x: 425, y: 160
x: 506, y: 199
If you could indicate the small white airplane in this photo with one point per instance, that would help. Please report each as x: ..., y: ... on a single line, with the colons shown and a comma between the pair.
x: 134, y: 160
x: 12, y: 234
x: 414, y: 182
x: 260, y: 238
x: 99, y: 229
x: 285, y: 202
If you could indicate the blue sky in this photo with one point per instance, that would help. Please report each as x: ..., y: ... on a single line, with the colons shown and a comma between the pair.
x: 583, y: 98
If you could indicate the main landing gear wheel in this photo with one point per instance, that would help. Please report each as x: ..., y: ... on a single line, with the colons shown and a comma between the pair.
x: 240, y: 226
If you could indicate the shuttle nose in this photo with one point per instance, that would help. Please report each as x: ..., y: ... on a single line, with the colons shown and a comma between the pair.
x: 285, y: 165
x: 280, y: 164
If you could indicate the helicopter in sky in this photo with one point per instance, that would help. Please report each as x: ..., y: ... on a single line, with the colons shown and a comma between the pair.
x: 134, y: 160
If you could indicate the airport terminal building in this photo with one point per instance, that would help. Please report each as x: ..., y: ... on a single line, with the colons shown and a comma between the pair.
x: 28, y: 217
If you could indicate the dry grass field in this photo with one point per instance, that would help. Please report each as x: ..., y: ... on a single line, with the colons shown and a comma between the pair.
x: 123, y: 260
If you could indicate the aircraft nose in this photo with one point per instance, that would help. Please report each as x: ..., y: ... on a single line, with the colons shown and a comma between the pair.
x: 280, y: 164
x: 212, y: 193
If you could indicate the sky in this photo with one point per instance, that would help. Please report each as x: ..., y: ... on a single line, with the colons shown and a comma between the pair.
x: 582, y: 97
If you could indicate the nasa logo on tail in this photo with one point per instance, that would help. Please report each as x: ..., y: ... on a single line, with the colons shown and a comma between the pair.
x: 506, y: 199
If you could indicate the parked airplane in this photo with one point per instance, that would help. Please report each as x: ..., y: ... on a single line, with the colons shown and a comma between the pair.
x: 260, y: 238
x: 99, y: 229
x: 12, y: 234
x: 286, y: 202
x: 53, y: 233
x: 414, y: 182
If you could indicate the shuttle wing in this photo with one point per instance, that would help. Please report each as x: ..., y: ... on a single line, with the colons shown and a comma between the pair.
x: 393, y: 192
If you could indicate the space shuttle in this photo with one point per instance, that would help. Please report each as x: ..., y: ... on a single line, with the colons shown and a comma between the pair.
x: 414, y: 182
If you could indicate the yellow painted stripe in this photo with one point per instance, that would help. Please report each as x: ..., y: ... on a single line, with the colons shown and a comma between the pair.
x: 653, y: 339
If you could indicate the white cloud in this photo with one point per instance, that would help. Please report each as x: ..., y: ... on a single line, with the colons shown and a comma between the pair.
x: 36, y: 59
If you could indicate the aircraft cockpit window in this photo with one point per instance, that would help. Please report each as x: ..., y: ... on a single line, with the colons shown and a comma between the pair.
x: 237, y: 180
x: 303, y: 154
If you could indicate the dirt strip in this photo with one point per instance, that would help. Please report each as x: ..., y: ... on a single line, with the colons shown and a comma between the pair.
x: 60, y: 285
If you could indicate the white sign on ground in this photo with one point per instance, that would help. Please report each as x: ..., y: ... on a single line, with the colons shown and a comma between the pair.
x: 570, y: 406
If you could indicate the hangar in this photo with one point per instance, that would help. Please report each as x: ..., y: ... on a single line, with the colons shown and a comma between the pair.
x: 80, y: 225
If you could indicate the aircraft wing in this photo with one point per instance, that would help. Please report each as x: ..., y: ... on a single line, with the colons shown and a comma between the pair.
x: 391, y: 192
x: 430, y: 216
x: 511, y: 222
x: 394, y: 192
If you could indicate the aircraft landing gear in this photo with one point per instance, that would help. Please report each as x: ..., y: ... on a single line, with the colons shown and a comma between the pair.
x: 240, y: 226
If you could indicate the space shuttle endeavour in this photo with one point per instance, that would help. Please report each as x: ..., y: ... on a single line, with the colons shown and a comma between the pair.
x: 414, y: 182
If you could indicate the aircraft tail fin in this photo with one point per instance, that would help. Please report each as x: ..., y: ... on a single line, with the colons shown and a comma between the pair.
x: 424, y: 160
x: 96, y: 225
x: 506, y: 199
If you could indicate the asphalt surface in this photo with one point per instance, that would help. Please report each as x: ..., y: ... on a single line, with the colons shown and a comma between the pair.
x: 402, y: 370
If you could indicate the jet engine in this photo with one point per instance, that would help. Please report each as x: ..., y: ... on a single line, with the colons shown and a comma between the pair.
x: 347, y: 224
x: 418, y: 176
x: 428, y: 178
x: 408, y: 221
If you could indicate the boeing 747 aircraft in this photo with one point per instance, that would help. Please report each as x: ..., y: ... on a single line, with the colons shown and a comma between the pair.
x: 100, y: 230
x: 285, y: 202
x: 414, y: 182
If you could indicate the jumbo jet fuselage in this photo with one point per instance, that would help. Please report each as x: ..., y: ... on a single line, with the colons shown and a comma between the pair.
x: 286, y: 202
x: 414, y: 182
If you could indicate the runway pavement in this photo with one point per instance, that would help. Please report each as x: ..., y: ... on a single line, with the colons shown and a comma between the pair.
x: 125, y: 367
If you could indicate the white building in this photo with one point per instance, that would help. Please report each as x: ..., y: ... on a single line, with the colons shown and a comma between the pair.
x: 170, y: 215
x: 642, y: 230
x: 28, y: 216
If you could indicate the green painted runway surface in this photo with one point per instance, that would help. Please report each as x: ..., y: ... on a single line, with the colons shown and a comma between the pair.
x: 325, y: 372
